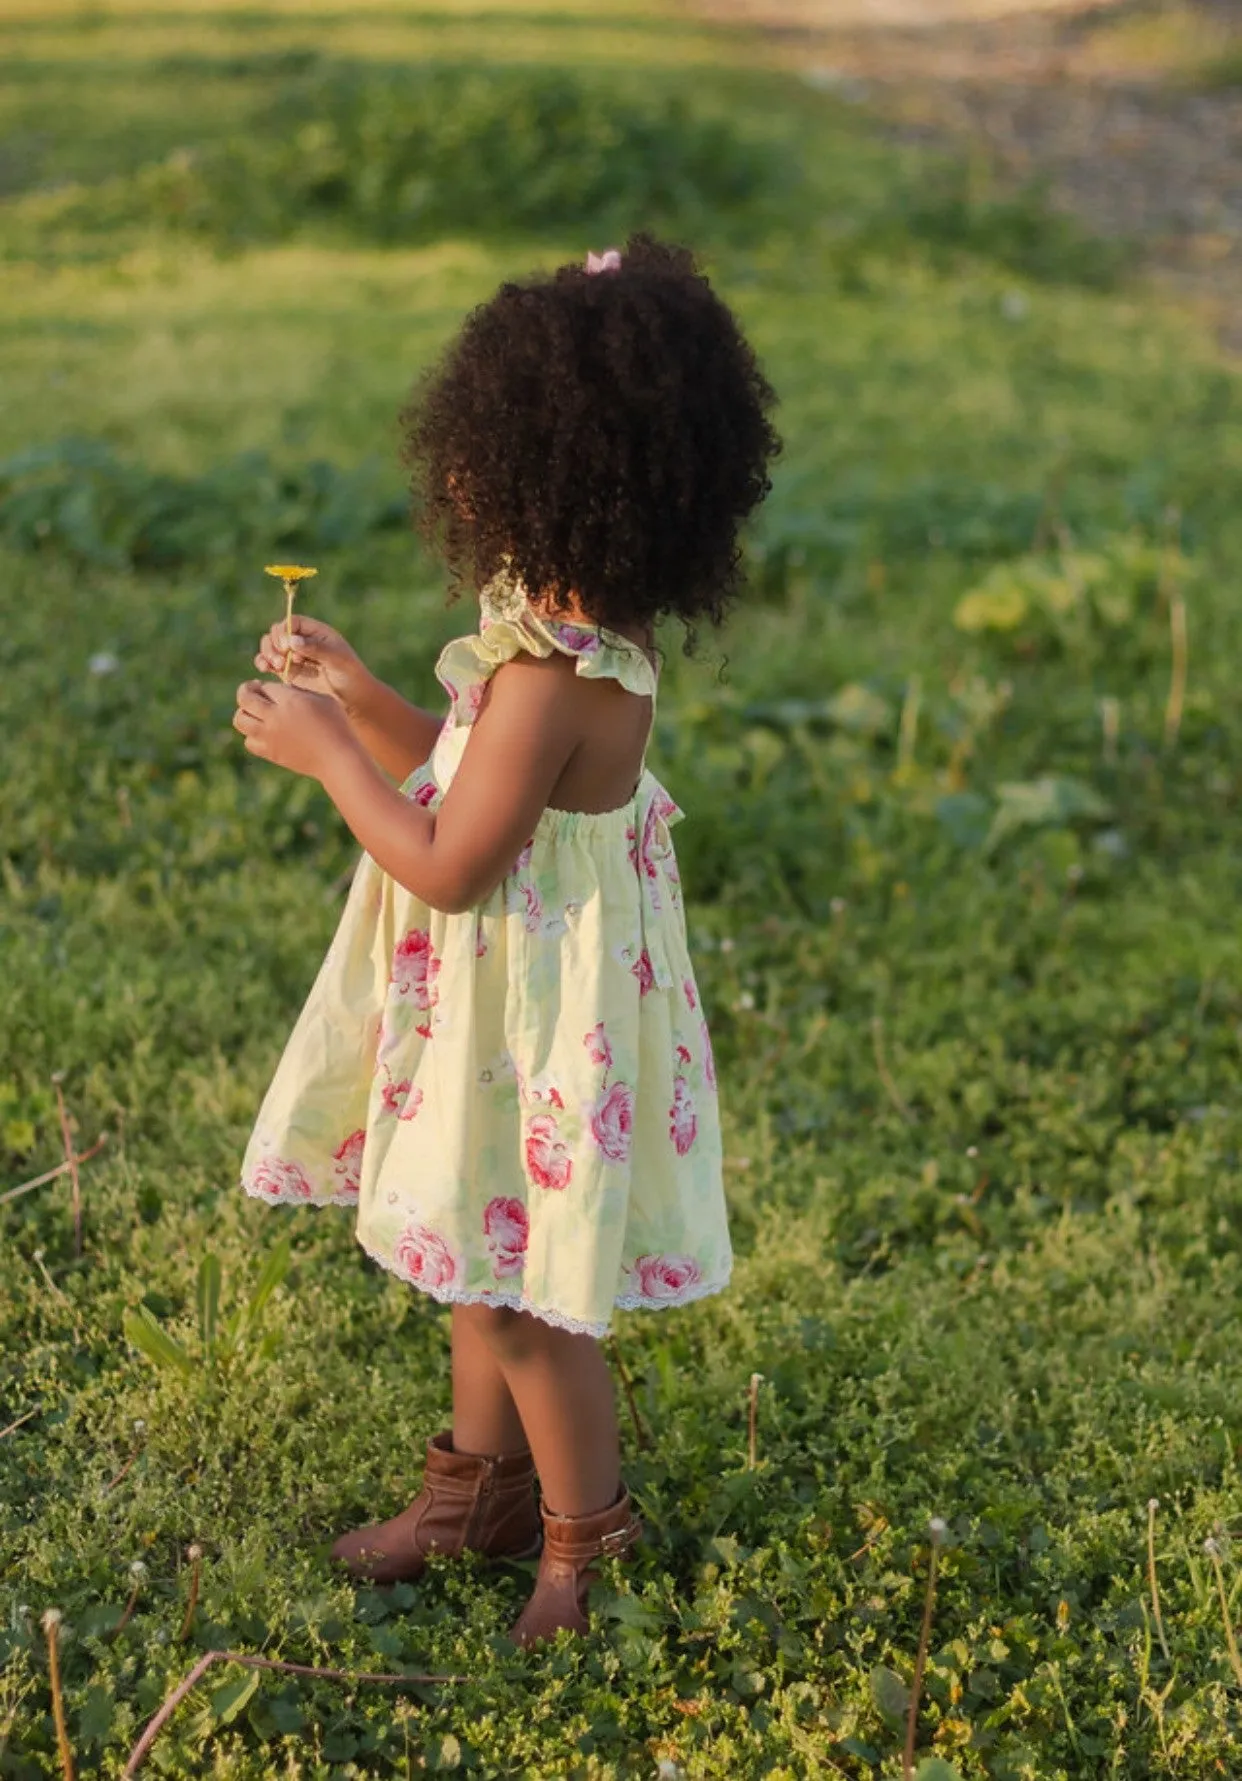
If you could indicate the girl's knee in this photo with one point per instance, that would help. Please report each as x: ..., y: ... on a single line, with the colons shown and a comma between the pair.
x: 511, y: 1335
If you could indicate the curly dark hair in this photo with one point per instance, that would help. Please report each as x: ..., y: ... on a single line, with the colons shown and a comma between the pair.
x: 603, y: 434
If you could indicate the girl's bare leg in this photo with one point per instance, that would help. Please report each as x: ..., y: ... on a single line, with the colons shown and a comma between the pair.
x: 561, y: 1388
x: 485, y: 1418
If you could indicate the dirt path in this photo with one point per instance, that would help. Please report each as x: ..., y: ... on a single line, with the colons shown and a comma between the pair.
x: 1122, y: 106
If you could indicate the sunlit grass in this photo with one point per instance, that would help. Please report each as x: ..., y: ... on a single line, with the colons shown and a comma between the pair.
x: 994, y: 1281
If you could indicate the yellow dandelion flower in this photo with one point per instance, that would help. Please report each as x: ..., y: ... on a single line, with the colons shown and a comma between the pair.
x: 290, y: 574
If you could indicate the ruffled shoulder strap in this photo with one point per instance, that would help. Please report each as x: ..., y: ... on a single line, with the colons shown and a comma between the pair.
x: 508, y: 628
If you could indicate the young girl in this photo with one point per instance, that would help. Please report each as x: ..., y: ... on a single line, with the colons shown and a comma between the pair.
x: 503, y: 1064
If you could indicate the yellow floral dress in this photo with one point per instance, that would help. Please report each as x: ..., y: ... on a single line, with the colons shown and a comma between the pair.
x: 519, y: 1100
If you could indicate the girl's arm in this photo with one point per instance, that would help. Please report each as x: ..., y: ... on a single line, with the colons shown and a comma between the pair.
x: 534, y: 719
x: 398, y: 736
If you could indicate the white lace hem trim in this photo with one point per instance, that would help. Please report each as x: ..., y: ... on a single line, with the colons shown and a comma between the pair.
x: 288, y: 1199
x: 509, y: 1301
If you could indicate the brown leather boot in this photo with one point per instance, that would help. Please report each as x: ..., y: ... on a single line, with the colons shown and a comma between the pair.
x: 467, y: 1503
x: 572, y: 1547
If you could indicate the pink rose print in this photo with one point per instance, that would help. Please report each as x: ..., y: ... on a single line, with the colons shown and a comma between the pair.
x: 646, y: 858
x: 665, y: 1278
x: 683, y: 1054
x: 348, y: 1159
x: 401, y: 1098
x: 393, y: 1094
x: 547, y: 1161
x: 598, y: 1049
x: 612, y: 1122
x: 692, y: 1001
x: 574, y: 637
x: 276, y: 1179
x: 474, y: 699
x: 415, y: 968
x: 709, y: 1062
x: 424, y: 1258
x: 683, y: 1126
x: 507, y: 1229
x: 423, y: 794
x: 480, y: 943
x: 649, y: 854
x: 524, y: 858
x: 644, y: 970
x: 534, y: 908
x: 538, y: 1088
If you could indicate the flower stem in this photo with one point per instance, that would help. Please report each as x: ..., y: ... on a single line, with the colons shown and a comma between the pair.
x: 641, y: 1435
x: 51, y: 1628
x: 1234, y: 1658
x: 916, y: 1687
x: 756, y: 1380
x: 885, y: 1074
x: 142, y: 1748
x: 1151, y: 1573
x: 1171, y: 589
x: 290, y: 587
x: 130, y: 1605
x: 71, y: 1164
x: 196, y: 1560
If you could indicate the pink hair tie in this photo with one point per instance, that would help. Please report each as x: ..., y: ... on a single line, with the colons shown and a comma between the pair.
x: 609, y: 261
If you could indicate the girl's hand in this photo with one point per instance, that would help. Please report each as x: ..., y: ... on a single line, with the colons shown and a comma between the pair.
x: 294, y: 729
x: 322, y: 661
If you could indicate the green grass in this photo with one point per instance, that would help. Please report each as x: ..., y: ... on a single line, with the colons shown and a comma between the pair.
x: 979, y: 1075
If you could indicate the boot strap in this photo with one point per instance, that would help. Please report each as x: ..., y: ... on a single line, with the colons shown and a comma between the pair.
x: 617, y: 1541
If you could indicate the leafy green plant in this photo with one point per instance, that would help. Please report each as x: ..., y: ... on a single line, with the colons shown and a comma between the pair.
x: 957, y: 208
x: 411, y: 153
x: 76, y: 496
x: 219, y: 1343
x: 1078, y: 602
x: 1052, y: 801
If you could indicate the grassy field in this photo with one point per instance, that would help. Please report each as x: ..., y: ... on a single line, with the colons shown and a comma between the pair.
x: 963, y: 881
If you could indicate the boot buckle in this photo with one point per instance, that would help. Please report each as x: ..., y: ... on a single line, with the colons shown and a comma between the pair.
x: 617, y: 1541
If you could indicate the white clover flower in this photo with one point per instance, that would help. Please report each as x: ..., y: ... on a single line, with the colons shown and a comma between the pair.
x: 972, y: 1150
x: 1211, y: 1547
x: 138, y: 1571
x: 104, y: 663
x: 52, y: 1618
x: 937, y: 1527
x: 728, y: 943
